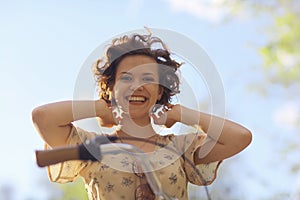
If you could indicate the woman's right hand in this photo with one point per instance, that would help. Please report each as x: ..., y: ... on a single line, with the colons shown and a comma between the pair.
x: 104, y: 113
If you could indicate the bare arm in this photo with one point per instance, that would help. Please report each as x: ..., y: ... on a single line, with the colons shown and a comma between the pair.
x: 53, y: 121
x: 227, y: 138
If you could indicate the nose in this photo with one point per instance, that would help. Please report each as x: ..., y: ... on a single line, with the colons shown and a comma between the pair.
x: 136, y: 85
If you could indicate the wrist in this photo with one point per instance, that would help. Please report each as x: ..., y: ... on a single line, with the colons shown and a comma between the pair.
x: 175, y: 114
x: 99, y: 109
x: 187, y: 116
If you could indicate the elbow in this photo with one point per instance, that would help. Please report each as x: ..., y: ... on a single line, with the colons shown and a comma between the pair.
x: 245, y: 138
x: 41, y: 123
x: 37, y: 116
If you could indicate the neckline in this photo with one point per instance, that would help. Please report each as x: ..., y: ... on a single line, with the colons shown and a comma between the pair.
x: 154, y: 141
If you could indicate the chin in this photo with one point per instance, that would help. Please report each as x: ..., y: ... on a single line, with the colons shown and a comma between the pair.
x: 134, y: 115
x: 138, y: 115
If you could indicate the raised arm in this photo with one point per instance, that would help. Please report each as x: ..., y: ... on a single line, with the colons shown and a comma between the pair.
x: 53, y: 121
x: 227, y: 138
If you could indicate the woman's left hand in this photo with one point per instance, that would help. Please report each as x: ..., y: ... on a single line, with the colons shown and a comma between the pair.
x: 166, y: 116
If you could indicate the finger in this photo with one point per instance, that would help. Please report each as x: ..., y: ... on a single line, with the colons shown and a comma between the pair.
x: 170, y: 106
x: 161, y: 113
x: 155, y: 118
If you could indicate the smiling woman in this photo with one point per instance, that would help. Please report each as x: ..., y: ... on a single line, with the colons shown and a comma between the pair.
x: 135, y: 78
x: 137, y: 88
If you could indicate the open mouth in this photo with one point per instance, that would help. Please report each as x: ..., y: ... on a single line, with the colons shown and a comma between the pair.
x: 136, y: 99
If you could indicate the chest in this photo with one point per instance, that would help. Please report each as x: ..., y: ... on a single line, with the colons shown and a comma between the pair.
x: 120, y: 174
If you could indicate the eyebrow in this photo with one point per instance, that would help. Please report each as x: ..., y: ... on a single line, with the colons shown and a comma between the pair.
x: 125, y: 73
x: 146, y: 73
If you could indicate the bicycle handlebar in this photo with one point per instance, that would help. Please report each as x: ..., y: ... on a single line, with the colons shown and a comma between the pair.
x: 94, y: 149
x: 57, y: 155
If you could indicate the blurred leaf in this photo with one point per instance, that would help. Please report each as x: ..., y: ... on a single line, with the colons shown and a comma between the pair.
x: 74, y: 190
x: 281, y: 54
x: 296, y: 168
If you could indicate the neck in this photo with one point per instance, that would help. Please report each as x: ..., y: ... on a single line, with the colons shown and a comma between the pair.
x: 136, y: 128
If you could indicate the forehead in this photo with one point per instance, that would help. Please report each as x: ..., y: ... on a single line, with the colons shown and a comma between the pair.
x: 137, y: 63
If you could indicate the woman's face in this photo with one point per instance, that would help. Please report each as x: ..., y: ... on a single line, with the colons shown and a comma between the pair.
x: 136, y: 87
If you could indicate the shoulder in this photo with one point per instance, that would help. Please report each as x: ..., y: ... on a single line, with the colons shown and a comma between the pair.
x: 184, y: 141
x: 79, y: 135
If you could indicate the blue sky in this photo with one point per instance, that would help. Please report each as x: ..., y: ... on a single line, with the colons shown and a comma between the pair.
x: 43, y: 45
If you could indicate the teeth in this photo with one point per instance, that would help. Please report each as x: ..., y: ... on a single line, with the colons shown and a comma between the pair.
x: 137, y: 99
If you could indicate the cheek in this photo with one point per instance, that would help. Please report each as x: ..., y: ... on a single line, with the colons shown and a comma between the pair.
x: 119, y: 88
x: 155, y: 90
x: 117, y: 92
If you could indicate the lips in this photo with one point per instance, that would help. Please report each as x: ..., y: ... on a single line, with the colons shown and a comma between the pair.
x: 136, y: 99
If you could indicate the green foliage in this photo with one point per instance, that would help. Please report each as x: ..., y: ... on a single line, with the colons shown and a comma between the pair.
x: 74, y: 190
x: 282, y: 54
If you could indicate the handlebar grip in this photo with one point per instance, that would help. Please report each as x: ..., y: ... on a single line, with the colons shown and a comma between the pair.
x: 57, y: 155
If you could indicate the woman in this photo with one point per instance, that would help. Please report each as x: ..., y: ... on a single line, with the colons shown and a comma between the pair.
x: 135, y: 79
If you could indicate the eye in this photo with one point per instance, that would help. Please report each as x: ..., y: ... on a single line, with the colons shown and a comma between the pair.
x: 148, y: 79
x: 126, y: 78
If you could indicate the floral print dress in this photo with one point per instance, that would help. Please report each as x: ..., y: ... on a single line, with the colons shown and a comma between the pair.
x: 118, y: 176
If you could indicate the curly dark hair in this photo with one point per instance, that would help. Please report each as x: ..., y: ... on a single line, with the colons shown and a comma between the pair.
x: 136, y: 44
